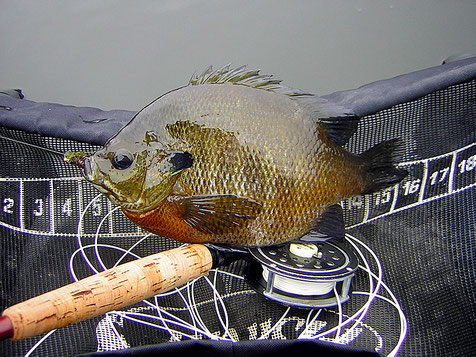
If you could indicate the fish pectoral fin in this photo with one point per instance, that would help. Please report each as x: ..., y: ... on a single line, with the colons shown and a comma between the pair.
x: 330, y: 225
x: 217, y: 214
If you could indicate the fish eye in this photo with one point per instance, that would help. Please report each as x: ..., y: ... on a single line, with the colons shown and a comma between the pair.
x: 122, y: 159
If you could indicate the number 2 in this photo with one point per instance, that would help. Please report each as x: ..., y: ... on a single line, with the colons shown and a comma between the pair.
x: 8, y: 204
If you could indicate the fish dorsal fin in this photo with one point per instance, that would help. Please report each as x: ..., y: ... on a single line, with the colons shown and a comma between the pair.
x: 341, y: 128
x: 340, y: 123
x: 245, y: 77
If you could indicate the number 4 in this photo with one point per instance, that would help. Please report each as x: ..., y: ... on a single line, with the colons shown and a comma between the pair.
x: 66, y: 209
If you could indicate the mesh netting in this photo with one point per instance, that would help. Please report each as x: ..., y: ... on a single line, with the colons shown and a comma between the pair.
x: 419, y: 236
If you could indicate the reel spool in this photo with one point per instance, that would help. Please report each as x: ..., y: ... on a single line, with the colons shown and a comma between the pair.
x: 303, y: 274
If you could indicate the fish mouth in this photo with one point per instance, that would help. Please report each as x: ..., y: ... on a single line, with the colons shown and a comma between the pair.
x: 149, y: 197
x: 89, y: 172
x: 87, y: 169
x: 85, y: 163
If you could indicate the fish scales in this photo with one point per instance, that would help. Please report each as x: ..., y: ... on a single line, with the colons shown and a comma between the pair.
x: 227, y: 163
x: 242, y: 131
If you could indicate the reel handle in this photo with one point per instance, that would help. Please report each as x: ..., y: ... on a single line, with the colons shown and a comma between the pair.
x: 112, y: 289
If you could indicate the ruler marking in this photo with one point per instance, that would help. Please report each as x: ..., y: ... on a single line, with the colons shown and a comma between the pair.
x: 80, y: 208
x: 109, y: 210
x: 421, y: 194
x: 395, y: 198
x: 22, y: 226
x: 415, y: 204
x: 452, y: 173
x: 52, y: 208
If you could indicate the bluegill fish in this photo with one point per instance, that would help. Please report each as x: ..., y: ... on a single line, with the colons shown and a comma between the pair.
x: 235, y: 157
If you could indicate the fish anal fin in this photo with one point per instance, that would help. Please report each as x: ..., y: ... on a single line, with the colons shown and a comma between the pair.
x: 217, y: 214
x: 328, y: 226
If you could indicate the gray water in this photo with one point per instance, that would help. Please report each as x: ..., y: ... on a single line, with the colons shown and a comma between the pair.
x: 122, y: 54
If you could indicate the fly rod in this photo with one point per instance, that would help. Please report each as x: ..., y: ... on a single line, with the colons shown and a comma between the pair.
x: 109, y: 290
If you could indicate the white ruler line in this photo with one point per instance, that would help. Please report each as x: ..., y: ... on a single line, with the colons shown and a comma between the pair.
x: 396, y: 189
x: 366, y: 208
x: 72, y: 235
x: 80, y: 207
x: 409, y: 163
x: 433, y: 198
x: 452, y: 173
x: 52, y: 209
x: 21, y: 179
x: 20, y: 211
x: 109, y: 209
x: 421, y: 194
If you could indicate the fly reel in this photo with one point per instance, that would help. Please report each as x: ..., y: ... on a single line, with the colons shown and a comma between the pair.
x: 303, y: 274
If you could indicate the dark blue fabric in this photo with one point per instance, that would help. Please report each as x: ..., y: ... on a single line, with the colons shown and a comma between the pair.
x: 384, y: 94
x: 84, y: 124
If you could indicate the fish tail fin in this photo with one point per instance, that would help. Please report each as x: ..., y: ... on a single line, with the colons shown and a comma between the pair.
x: 380, y: 168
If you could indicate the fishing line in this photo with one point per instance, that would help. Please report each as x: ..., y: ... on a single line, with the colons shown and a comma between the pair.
x: 375, y: 291
x: 217, y: 297
x: 194, y: 309
x: 82, y: 250
x: 403, y: 321
x: 225, y: 324
x: 32, y: 145
x: 164, y: 322
x: 190, y: 309
x: 159, y: 312
x: 129, y: 316
x: 180, y: 322
x: 306, y: 288
x: 304, y: 334
x: 36, y: 345
x: 130, y: 249
x: 362, y: 312
x: 372, y: 294
x: 96, y: 236
x: 79, y: 234
x: 222, y: 302
x: 266, y: 335
x: 224, y: 272
x: 396, y: 304
x: 339, y: 308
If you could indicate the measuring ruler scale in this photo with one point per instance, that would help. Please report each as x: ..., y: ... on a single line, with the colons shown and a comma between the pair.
x: 428, y: 180
x: 53, y: 206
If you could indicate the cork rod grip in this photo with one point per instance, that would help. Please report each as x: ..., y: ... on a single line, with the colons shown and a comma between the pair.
x: 109, y: 290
